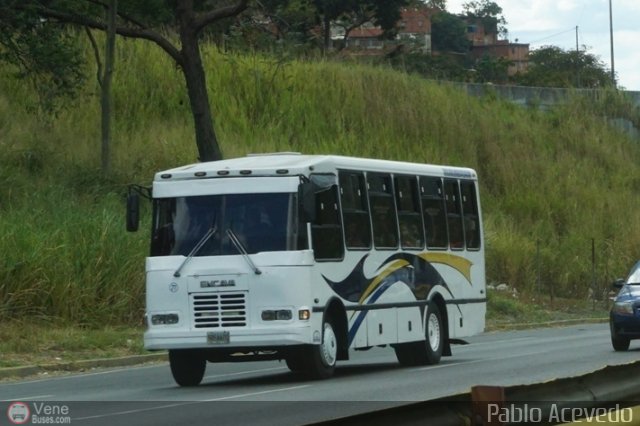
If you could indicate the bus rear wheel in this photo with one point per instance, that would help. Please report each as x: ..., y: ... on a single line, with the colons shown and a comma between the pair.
x: 407, y: 353
x: 434, y: 335
x: 429, y: 350
x: 187, y: 366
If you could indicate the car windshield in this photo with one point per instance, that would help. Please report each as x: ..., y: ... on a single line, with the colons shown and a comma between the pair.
x: 634, y: 275
x: 262, y: 222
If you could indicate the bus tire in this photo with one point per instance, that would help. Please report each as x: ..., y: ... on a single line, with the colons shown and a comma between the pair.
x: 407, y: 353
x: 187, y: 366
x: 322, y: 357
x: 295, y: 360
x: 434, y: 334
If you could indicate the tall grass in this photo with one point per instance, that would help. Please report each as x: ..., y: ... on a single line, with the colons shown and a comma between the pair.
x: 550, y: 181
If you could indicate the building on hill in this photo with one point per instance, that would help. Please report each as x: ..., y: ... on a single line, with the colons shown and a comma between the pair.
x: 366, y: 37
x: 415, y: 27
x: 486, y: 43
x: 516, y: 53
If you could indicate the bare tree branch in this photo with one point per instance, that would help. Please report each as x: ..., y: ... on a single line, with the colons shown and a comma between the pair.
x: 122, y: 15
x: 121, y: 30
x: 204, y: 19
x: 96, y: 53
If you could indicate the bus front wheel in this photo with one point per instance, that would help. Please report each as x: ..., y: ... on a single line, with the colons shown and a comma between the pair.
x: 187, y: 366
x: 322, y: 357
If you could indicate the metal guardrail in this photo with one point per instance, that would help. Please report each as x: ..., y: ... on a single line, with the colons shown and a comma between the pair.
x: 608, y: 392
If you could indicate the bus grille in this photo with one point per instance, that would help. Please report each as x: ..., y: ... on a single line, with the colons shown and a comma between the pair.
x: 219, y: 310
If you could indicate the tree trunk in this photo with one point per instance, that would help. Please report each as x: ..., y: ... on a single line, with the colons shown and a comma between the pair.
x: 327, y: 32
x: 191, y: 63
x: 105, y: 87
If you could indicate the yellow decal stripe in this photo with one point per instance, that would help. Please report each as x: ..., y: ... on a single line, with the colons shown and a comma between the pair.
x: 458, y: 263
x: 394, y: 266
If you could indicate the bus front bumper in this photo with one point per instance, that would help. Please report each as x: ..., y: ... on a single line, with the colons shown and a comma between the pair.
x: 250, y: 339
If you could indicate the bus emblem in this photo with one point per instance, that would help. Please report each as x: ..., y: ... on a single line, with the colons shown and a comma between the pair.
x: 217, y: 283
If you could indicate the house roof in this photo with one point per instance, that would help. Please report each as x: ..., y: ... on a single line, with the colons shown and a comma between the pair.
x: 365, y: 32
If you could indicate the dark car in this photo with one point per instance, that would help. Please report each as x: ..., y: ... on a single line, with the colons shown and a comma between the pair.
x: 624, y: 319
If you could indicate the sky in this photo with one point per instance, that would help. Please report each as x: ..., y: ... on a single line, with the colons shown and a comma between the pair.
x: 553, y: 22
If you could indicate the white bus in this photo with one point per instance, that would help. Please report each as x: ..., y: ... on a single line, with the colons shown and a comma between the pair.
x: 304, y: 258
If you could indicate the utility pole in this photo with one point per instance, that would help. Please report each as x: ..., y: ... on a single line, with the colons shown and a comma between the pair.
x: 613, y: 72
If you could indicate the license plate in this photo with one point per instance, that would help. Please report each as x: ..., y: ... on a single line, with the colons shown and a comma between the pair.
x: 218, y: 337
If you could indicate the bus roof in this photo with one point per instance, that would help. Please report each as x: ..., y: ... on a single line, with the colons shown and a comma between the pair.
x: 289, y: 163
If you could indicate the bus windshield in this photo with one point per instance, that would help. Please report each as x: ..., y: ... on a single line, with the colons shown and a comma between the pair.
x: 262, y: 222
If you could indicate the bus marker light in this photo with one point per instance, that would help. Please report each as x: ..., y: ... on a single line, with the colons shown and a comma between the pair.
x: 304, y: 314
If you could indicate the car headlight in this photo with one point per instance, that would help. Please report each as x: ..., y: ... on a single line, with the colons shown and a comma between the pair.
x: 623, y: 308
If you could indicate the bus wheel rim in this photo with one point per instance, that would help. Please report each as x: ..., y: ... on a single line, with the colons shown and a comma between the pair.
x: 433, y: 330
x: 329, y: 346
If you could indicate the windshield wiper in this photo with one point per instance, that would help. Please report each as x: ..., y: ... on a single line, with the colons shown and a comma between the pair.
x: 236, y: 242
x: 197, y: 248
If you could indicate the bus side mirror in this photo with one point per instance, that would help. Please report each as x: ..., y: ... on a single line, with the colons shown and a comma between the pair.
x: 307, y: 201
x: 133, y: 212
x: 619, y: 283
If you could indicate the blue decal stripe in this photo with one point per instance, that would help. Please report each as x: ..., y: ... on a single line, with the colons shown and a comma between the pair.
x: 362, y: 314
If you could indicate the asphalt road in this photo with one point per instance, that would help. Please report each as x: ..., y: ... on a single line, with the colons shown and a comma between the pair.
x: 266, y: 393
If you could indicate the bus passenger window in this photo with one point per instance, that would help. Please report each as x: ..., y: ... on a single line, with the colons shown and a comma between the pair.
x: 409, y: 218
x: 383, y: 211
x: 355, y: 213
x: 471, y: 217
x: 454, y: 214
x: 433, y: 212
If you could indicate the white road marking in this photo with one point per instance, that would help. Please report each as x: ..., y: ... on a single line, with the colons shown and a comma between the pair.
x: 243, y: 395
x: 162, y: 407
x: 245, y: 372
x: 80, y: 375
x: 455, y: 364
x: 27, y: 398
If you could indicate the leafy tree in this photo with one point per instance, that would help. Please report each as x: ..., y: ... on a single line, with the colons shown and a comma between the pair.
x: 489, y: 13
x: 384, y: 14
x: 492, y: 69
x: 437, y: 4
x: 292, y: 20
x: 44, y: 52
x: 348, y: 14
x: 551, y: 66
x: 433, y: 4
x: 145, y: 19
x: 449, y: 33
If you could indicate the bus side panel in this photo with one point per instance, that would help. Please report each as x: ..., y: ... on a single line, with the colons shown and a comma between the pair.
x: 410, y: 325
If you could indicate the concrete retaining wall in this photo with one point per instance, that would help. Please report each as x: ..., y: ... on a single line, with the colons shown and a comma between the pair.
x: 546, y: 97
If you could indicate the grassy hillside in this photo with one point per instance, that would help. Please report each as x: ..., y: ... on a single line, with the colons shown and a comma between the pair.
x: 550, y: 181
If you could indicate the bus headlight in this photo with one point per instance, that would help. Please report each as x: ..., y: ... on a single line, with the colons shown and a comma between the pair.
x: 283, y: 315
x: 278, y: 315
x: 164, y: 319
